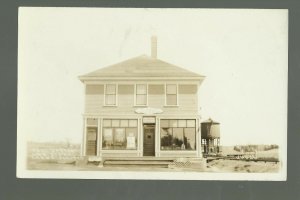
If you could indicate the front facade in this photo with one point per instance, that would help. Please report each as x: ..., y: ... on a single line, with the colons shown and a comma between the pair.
x: 141, y: 107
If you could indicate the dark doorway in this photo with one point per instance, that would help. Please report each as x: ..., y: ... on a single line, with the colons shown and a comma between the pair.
x: 149, y: 140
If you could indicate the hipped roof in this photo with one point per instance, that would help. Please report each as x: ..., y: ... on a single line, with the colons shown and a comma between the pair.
x: 141, y: 67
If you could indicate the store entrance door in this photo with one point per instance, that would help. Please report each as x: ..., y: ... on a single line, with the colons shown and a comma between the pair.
x: 149, y: 140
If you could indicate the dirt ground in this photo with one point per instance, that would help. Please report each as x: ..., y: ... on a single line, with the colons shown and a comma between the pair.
x: 212, y: 166
x: 242, y: 166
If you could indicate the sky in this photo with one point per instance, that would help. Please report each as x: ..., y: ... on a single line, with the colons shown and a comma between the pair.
x: 243, y: 54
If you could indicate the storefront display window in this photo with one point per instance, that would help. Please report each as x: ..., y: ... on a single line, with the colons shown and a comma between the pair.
x: 178, y: 134
x: 119, y: 134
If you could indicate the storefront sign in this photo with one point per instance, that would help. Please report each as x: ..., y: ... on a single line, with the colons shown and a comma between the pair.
x: 130, y: 142
x: 149, y: 111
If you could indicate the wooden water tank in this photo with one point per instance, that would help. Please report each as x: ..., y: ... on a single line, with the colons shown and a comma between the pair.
x: 210, y: 129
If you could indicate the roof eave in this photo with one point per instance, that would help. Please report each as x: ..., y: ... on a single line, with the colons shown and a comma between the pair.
x: 95, y: 78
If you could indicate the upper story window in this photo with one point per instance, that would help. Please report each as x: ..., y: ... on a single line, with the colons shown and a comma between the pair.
x: 141, y: 94
x: 111, y: 94
x: 171, y: 95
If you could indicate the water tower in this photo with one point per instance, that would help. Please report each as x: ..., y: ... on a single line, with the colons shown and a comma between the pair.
x: 210, y: 136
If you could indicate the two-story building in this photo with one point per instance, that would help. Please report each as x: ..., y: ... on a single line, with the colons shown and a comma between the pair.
x: 142, y: 107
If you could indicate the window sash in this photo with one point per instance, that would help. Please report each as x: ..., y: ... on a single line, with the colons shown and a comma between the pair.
x: 110, y: 99
x: 111, y: 94
x: 141, y: 89
x: 171, y: 89
x: 171, y: 99
x: 141, y: 94
x: 141, y: 99
x: 110, y: 89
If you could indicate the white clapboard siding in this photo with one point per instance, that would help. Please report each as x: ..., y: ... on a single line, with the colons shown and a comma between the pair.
x: 187, y: 99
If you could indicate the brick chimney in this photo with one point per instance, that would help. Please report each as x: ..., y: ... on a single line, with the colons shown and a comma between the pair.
x: 154, y: 47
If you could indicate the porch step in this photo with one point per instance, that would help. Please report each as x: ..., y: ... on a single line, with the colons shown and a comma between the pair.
x: 134, y: 162
x: 150, y: 158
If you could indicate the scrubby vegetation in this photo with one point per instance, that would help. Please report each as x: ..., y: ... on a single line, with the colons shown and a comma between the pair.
x: 251, y: 148
x: 60, y: 152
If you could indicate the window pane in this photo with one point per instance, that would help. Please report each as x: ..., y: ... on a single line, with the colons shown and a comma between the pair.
x: 115, y: 123
x: 131, y: 138
x: 141, y: 99
x: 173, y: 123
x: 166, y: 138
x: 171, y: 89
x: 119, y: 138
x: 164, y: 123
x: 171, y: 99
x: 106, y: 123
x: 110, y: 99
x: 190, y: 138
x: 110, y: 89
x: 191, y: 123
x: 132, y: 123
x: 177, y: 142
x: 124, y: 123
x: 107, y: 138
x: 141, y: 89
x: 131, y: 132
x: 182, y: 123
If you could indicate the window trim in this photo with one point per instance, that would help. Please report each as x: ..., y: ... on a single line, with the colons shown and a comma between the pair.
x: 177, y: 103
x: 113, y: 134
x: 172, y: 150
x: 135, y: 95
x: 108, y: 105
